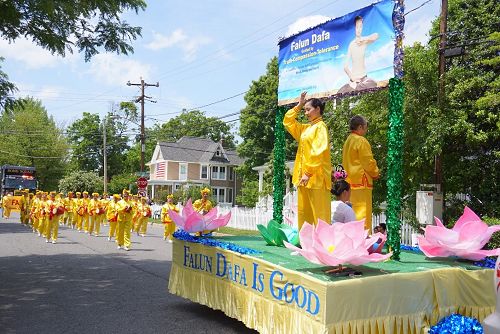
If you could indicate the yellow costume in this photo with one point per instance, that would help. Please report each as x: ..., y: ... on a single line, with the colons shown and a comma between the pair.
x: 6, y: 205
x: 93, y: 209
x: 85, y: 217
x: 23, y: 203
x: 112, y: 216
x: 54, y: 208
x: 361, y: 168
x: 124, y: 209
x: 68, y: 217
x: 167, y: 221
x: 312, y: 159
x: 144, y: 215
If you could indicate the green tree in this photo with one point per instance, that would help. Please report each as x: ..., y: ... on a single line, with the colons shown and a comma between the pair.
x: 61, y: 26
x: 122, y: 181
x: 470, y: 121
x: 249, y: 193
x: 194, y: 123
x: 29, y: 137
x: 81, y: 181
x: 7, y: 88
x: 86, y: 138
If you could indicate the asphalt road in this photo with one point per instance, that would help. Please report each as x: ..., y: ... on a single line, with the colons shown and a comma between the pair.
x: 84, y: 284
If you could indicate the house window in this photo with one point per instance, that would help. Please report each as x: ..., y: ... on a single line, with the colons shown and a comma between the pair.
x: 220, y: 194
x: 230, y: 171
x: 218, y: 172
x: 177, y: 186
x: 229, y: 198
x: 217, y: 153
x: 183, y: 172
x: 204, y: 172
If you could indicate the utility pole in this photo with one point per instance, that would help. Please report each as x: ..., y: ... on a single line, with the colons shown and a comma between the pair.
x: 142, y: 99
x: 105, y: 156
x: 438, y: 170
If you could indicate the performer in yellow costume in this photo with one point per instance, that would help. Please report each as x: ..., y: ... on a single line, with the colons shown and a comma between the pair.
x: 68, y: 209
x: 145, y: 214
x: 34, y: 213
x: 312, y: 169
x: 31, y: 198
x: 203, y: 205
x: 6, y: 205
x: 85, y: 216
x: 361, y: 168
x: 78, y: 210
x: 42, y: 214
x: 166, y: 220
x: 101, y: 217
x: 112, y: 216
x: 54, y: 208
x: 124, y: 208
x: 94, y: 210
x: 23, y: 203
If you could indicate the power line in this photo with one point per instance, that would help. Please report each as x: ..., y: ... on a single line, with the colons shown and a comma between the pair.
x: 422, y: 5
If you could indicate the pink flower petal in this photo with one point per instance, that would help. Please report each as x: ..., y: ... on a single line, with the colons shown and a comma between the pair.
x: 432, y: 249
x: 218, y: 222
x: 176, y: 218
x: 467, y: 216
x: 478, y: 254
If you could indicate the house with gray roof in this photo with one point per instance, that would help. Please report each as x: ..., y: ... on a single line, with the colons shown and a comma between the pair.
x: 198, y: 161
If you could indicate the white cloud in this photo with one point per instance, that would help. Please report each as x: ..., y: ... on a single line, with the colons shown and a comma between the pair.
x: 32, y: 55
x: 178, y: 38
x: 304, y: 23
x: 161, y: 42
x: 114, y: 70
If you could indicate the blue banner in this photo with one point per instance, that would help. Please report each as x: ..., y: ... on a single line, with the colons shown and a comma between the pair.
x: 343, y: 56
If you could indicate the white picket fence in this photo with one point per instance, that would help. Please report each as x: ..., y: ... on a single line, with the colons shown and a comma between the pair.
x: 248, y: 218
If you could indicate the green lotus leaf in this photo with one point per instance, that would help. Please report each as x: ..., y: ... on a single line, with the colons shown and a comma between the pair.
x: 265, y: 234
x: 290, y: 234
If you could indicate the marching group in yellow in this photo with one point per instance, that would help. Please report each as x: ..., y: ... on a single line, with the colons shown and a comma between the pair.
x: 125, y: 213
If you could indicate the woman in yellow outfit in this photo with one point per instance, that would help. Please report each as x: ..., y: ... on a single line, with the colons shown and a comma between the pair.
x: 145, y: 214
x: 93, y: 210
x: 124, y: 209
x: 112, y: 216
x: 165, y: 218
x: 78, y: 210
x: 54, y: 208
x: 42, y: 214
x: 34, y: 213
x: 85, y: 216
x: 312, y: 169
x: 361, y: 168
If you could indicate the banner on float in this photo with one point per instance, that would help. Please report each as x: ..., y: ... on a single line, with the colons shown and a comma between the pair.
x: 343, y: 56
x: 12, y: 202
x: 253, y: 275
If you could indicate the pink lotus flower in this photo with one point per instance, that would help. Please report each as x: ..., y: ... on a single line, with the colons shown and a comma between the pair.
x: 192, y: 221
x: 338, y: 244
x: 466, y: 239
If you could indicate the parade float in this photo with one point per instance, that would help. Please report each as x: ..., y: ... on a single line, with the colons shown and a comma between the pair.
x: 334, y: 282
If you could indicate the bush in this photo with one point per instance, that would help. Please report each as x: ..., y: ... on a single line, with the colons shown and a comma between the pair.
x: 81, y: 181
x: 495, y: 238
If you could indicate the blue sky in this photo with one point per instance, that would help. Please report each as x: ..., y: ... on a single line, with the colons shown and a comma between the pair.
x: 199, y: 52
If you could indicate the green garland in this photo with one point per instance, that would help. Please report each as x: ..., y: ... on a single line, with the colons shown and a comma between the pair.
x: 395, y: 141
x: 279, y: 165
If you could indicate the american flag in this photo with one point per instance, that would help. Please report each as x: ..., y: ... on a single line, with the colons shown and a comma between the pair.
x: 160, y: 170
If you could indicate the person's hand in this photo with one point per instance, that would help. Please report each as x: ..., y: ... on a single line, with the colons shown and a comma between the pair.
x: 304, y: 180
x: 302, y: 99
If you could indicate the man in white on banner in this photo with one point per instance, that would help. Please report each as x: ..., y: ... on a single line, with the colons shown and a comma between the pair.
x: 358, y: 79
